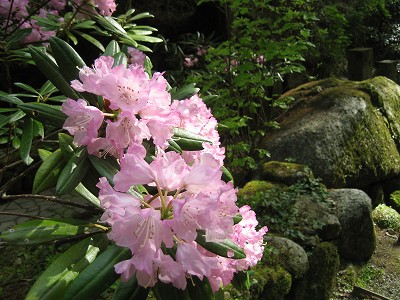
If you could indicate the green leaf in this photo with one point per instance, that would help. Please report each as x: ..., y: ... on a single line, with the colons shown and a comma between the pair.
x: 46, y: 65
x: 86, y: 194
x: 200, y: 289
x: 130, y: 290
x: 68, y: 60
x: 67, y: 145
x: 223, y: 248
x: 98, y: 276
x: 164, y: 291
x: 11, y: 118
x: 43, y: 154
x: 107, y: 167
x: 5, y: 97
x: 47, y: 175
x: 226, y: 175
x: 91, y: 39
x: 112, y: 49
x: 54, y: 281
x: 120, y: 59
x: 41, y: 231
x: 45, y: 113
x: 185, y: 92
x: 26, y: 87
x: 145, y: 38
x: 26, y: 141
x: 16, y: 142
x: 188, y: 140
x: 73, y: 172
x: 38, y: 129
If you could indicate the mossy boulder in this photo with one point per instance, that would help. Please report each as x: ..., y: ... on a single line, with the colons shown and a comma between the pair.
x: 394, y: 200
x: 273, y: 283
x: 347, y: 132
x: 319, y: 281
x: 386, y: 217
x: 290, y: 255
x: 357, y: 240
x: 253, y: 187
x: 284, y: 172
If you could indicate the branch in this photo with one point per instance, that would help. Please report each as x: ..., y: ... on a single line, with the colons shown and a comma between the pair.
x: 48, y: 198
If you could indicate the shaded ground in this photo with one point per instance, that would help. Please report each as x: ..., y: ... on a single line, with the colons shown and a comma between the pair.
x: 380, y: 275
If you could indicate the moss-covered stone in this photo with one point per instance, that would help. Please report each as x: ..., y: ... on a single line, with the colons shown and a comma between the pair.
x: 273, y: 283
x: 284, y: 172
x: 394, y: 200
x: 319, y: 281
x: 253, y: 187
x: 386, y: 217
x: 347, y: 132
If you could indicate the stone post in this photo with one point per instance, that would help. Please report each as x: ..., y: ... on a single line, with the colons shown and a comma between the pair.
x: 387, y: 68
x: 359, y: 63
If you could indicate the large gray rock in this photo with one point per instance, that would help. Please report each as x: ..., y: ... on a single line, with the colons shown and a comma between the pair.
x: 291, y: 256
x: 347, y: 132
x: 357, y: 240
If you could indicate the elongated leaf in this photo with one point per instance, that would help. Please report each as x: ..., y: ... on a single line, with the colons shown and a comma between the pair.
x: 42, y: 231
x: 106, y: 167
x: 47, y: 175
x: 120, y: 59
x: 26, y: 141
x: 130, y: 290
x: 112, y: 49
x: 187, y: 144
x: 226, y: 175
x: 164, y: 291
x: 68, y: 60
x: 186, y: 134
x: 47, y: 88
x: 45, y: 113
x: 26, y: 87
x: 73, y: 172
x: 174, y: 146
x: 54, y: 281
x: 184, y: 92
x: 11, y: 118
x: 43, y: 154
x: 226, y: 248
x: 10, y: 98
x: 200, y: 289
x: 52, y: 72
x: 85, y: 193
x: 38, y: 129
x: 92, y: 40
x: 145, y: 38
x: 66, y: 145
x: 98, y: 276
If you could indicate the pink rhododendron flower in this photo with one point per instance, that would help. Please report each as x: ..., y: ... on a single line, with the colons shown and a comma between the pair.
x: 136, y: 56
x: 185, y: 194
x: 18, y: 8
x: 83, y: 121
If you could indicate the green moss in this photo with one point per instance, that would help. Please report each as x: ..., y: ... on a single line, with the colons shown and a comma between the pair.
x: 394, y: 200
x: 284, y: 172
x: 253, y: 187
x: 386, y: 217
x: 273, y: 283
x: 320, y: 278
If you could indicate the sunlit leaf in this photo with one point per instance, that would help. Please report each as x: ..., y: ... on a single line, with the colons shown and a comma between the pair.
x: 98, y: 276
x: 54, y: 281
x: 42, y: 231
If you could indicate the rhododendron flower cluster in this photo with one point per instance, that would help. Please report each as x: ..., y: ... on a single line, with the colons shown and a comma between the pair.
x: 186, y: 194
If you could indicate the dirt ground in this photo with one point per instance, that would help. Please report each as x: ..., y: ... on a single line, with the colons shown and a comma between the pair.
x: 380, y: 275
